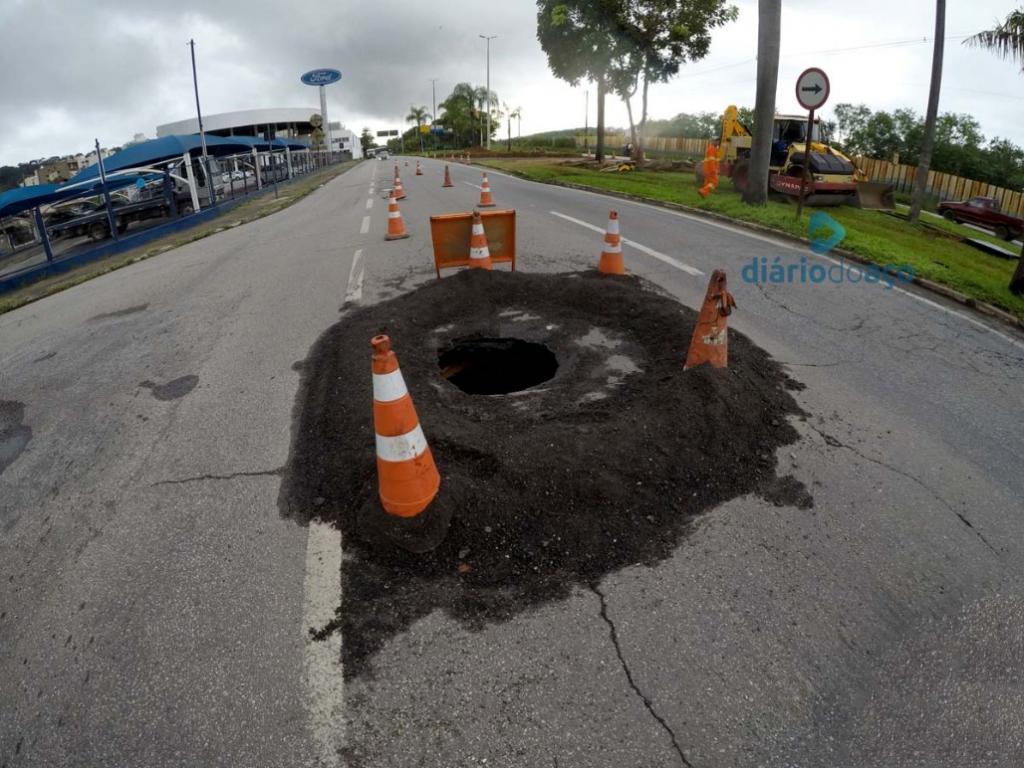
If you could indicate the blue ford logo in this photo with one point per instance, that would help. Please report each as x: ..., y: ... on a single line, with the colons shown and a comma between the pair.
x: 321, y: 77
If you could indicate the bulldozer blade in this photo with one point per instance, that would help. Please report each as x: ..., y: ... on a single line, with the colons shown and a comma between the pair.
x: 875, y: 194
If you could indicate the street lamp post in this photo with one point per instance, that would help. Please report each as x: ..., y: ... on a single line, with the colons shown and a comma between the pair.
x: 433, y: 108
x: 199, y: 116
x: 488, y: 38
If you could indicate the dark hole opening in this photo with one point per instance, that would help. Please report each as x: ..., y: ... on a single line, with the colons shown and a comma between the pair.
x: 496, y: 366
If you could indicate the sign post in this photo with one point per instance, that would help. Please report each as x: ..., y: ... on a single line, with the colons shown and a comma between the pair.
x: 812, y: 90
x: 322, y: 78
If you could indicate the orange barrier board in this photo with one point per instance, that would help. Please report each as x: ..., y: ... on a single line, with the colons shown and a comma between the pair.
x: 451, y: 232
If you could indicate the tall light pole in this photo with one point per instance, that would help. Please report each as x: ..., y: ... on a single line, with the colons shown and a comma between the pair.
x: 199, y: 115
x: 488, y: 38
x: 433, y: 108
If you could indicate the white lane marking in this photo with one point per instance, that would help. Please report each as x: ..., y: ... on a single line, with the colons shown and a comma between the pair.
x: 632, y: 243
x: 369, y: 202
x: 366, y: 225
x: 471, y: 184
x: 788, y: 246
x: 322, y: 672
x: 354, y: 292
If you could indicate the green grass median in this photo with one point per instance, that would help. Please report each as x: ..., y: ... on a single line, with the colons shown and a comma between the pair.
x: 872, y: 235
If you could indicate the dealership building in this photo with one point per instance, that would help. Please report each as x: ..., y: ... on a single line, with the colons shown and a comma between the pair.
x: 278, y: 123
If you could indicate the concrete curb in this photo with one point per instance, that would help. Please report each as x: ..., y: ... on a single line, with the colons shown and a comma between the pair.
x: 980, y: 306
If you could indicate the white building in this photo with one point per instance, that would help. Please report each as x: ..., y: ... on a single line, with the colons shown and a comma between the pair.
x: 279, y: 122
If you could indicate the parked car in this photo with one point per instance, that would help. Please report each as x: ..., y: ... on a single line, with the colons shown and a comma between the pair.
x: 983, y: 212
x: 382, y: 155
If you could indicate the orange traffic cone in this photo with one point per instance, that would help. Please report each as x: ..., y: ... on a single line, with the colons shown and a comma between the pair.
x: 486, y: 201
x: 396, y: 224
x: 447, y: 177
x: 419, y: 171
x: 479, y: 254
x: 611, y: 257
x: 710, y: 168
x: 710, y: 343
x: 396, y: 170
x: 399, y: 192
x: 407, y: 477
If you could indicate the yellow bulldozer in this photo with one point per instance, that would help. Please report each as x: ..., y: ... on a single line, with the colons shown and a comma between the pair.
x: 833, y: 178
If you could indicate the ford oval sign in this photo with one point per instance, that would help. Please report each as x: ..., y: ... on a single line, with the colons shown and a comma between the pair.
x: 321, y: 77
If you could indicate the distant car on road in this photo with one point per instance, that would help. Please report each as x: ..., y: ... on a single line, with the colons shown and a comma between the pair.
x: 983, y: 212
x: 382, y: 155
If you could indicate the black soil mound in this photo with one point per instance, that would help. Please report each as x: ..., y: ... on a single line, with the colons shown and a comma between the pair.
x: 601, y: 466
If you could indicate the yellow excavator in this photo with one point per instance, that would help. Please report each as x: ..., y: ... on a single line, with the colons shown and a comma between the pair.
x: 833, y: 178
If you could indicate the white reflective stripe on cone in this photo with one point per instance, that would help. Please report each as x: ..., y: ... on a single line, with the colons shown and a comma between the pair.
x: 613, y: 226
x: 479, y: 253
x: 394, y: 214
x: 403, y: 447
x: 613, y: 249
x: 388, y: 387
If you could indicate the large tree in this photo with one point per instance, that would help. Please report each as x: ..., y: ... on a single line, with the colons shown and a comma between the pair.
x: 1007, y: 40
x: 579, y: 38
x: 928, y: 141
x: 655, y: 38
x: 769, y: 32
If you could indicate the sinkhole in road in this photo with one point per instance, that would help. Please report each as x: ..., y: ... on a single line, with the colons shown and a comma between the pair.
x: 601, y: 463
x: 485, y: 366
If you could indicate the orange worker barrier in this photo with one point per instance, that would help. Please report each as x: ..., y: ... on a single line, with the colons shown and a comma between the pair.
x: 710, y: 343
x: 419, y: 171
x: 396, y: 224
x: 710, y: 168
x: 406, y: 474
x: 486, y: 201
x: 447, y: 177
x: 399, y: 192
x: 611, y: 257
x: 452, y: 233
x: 479, y: 255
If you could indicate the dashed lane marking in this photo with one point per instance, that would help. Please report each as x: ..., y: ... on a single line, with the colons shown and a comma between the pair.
x: 638, y: 246
x: 322, y: 671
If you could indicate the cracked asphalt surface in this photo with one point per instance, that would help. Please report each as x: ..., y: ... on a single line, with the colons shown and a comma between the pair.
x: 151, y: 594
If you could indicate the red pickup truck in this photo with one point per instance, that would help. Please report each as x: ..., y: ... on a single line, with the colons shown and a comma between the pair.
x: 984, y: 212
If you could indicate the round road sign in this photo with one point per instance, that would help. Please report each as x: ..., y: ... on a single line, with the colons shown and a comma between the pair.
x: 812, y: 88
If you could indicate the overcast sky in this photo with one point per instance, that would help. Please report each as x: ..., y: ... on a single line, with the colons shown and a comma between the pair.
x: 74, y: 70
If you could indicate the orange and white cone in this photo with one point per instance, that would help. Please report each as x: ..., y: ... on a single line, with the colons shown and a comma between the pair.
x: 407, y: 477
x: 710, y: 343
x: 479, y: 254
x: 611, y: 257
x: 419, y: 171
x: 399, y: 192
x: 396, y: 170
x: 447, y: 177
x: 396, y: 224
x: 486, y: 201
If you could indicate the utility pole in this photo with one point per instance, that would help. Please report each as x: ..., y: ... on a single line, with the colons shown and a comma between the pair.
x: 199, y: 115
x: 433, y: 108
x: 488, y: 38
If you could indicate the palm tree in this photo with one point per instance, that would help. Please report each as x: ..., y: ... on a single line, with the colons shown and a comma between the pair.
x: 418, y: 115
x: 769, y: 31
x: 483, y: 105
x: 928, y: 141
x: 1007, y: 41
x: 516, y: 113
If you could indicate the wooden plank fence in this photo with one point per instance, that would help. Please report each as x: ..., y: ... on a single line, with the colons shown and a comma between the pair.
x: 945, y: 186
